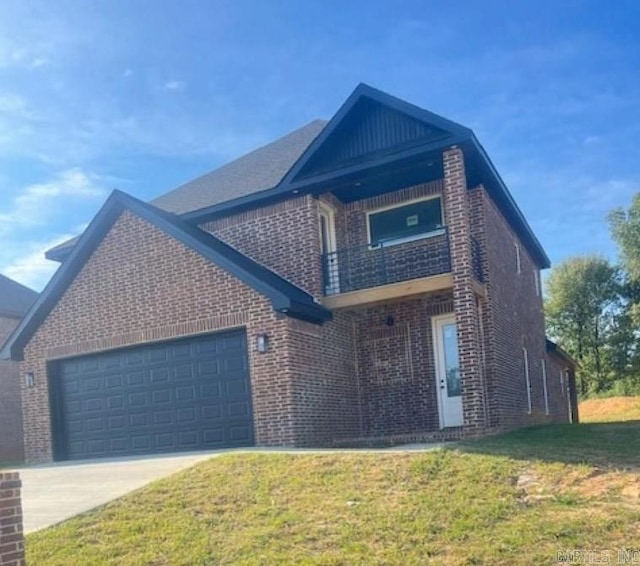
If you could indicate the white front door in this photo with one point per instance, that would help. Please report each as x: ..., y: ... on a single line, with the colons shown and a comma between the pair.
x: 329, y: 251
x: 449, y: 387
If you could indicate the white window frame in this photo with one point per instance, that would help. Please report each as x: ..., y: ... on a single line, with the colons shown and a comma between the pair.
x: 518, y: 259
x: 562, y: 386
x: 527, y: 380
x: 544, y: 387
x: 437, y: 232
x: 326, y: 210
x: 536, y: 278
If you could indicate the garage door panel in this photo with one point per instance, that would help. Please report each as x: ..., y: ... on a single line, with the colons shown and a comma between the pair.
x: 133, y: 358
x: 182, y: 351
x: 88, y: 365
x: 94, y: 405
x: 239, y: 433
x: 113, y: 381
x: 140, y: 420
x: 209, y: 368
x: 117, y: 423
x: 160, y: 375
x: 238, y: 409
x: 115, y: 403
x: 210, y: 390
x: 236, y: 388
x: 183, y: 395
x: 135, y: 379
x: 186, y: 415
x: 92, y: 384
x: 162, y: 396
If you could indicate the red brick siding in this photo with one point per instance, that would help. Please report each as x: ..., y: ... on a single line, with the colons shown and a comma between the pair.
x: 515, y: 320
x: 11, y: 529
x: 396, y: 366
x: 323, y: 375
x: 285, y: 237
x: 141, y: 285
x: 11, y: 447
x: 466, y: 303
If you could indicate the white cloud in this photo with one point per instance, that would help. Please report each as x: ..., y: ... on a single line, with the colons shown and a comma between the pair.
x: 14, y: 104
x: 31, y: 268
x: 175, y: 85
x: 36, y: 204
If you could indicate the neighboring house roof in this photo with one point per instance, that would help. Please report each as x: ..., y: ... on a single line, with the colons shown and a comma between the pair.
x: 373, y: 132
x: 15, y: 299
x: 553, y: 348
x: 285, y: 297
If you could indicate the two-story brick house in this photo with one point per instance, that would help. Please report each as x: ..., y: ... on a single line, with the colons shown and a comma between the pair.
x: 369, y: 279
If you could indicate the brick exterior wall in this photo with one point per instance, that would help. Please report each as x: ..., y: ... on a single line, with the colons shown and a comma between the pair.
x: 466, y: 302
x: 325, y: 387
x: 397, y: 376
x: 11, y: 528
x: 140, y: 285
x: 355, y: 377
x: 285, y: 237
x: 513, y: 319
x: 11, y: 447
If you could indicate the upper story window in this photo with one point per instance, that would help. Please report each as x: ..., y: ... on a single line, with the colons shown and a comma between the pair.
x: 412, y: 221
x: 518, y: 260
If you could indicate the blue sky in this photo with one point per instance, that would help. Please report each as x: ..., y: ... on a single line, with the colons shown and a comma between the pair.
x: 142, y: 95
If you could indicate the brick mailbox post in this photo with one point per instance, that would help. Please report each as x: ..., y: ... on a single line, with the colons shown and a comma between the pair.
x: 11, y: 533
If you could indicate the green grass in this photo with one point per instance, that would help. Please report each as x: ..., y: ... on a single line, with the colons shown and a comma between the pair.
x: 608, y: 445
x: 492, y: 501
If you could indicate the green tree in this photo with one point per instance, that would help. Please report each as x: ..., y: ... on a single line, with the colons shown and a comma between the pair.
x: 582, y: 305
x: 625, y: 229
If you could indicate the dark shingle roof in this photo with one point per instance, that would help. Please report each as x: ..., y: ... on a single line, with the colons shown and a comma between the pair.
x: 15, y: 299
x: 259, y: 170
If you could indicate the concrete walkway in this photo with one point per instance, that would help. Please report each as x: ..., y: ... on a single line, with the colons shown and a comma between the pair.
x: 52, y: 493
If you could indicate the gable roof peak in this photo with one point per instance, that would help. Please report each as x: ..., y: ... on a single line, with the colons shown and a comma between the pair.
x: 371, y: 124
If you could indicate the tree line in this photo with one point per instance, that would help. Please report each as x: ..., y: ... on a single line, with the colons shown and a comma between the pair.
x: 593, y: 310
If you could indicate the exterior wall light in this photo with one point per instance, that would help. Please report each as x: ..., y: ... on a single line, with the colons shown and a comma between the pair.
x: 262, y: 343
x: 29, y: 379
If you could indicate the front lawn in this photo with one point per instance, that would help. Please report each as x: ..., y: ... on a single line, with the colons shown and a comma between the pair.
x: 492, y: 501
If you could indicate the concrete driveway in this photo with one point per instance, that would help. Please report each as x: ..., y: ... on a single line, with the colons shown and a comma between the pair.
x: 52, y: 493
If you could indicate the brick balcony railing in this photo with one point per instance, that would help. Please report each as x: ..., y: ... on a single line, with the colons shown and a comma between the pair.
x: 363, y: 267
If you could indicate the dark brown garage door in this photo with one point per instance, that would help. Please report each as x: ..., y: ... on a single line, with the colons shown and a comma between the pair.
x: 190, y: 394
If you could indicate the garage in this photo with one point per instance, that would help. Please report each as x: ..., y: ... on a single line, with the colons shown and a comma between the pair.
x: 189, y: 394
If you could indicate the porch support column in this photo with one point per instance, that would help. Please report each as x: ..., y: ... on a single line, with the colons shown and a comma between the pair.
x: 457, y: 214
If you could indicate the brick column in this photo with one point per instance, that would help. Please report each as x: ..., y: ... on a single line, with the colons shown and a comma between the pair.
x: 457, y: 214
x: 11, y: 535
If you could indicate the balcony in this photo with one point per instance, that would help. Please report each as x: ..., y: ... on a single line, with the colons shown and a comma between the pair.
x: 367, y: 274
